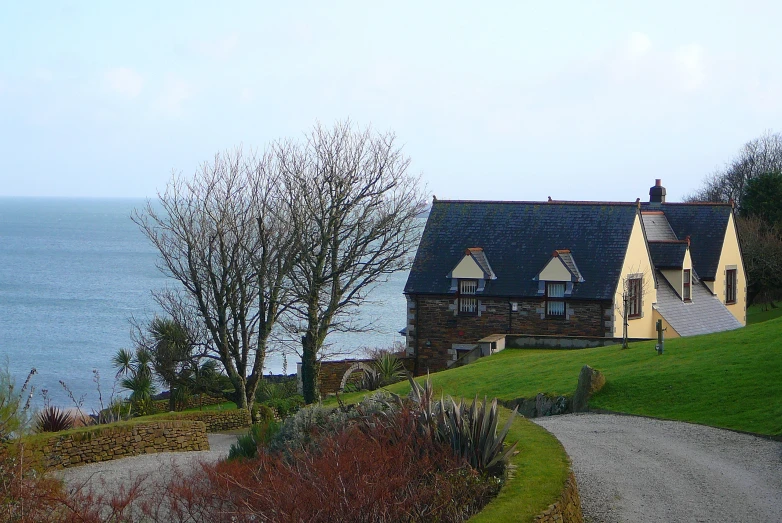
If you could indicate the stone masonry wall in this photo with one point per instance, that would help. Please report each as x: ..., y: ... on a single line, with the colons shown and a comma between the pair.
x: 565, y: 510
x: 217, y: 420
x: 159, y: 406
x: 331, y: 372
x: 441, y: 327
x: 106, y: 442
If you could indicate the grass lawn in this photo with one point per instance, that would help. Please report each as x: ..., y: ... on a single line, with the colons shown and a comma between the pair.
x: 730, y: 379
x: 757, y: 314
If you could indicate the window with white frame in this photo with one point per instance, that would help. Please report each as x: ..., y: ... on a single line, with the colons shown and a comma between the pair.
x: 555, y: 302
x: 468, y: 303
x: 686, y: 288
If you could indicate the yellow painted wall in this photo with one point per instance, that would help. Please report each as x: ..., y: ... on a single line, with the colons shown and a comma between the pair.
x: 468, y: 268
x: 676, y: 276
x: 636, y: 261
x: 731, y: 255
x: 670, y: 332
x: 555, y: 270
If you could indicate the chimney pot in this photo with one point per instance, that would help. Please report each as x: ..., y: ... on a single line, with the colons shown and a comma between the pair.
x: 658, y: 182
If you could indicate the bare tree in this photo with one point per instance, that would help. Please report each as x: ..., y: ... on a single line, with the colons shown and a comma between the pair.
x: 354, y: 208
x: 221, y: 236
x: 634, y: 288
x: 759, y: 156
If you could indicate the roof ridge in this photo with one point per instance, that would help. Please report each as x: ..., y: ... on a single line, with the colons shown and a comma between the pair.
x: 724, y: 204
x: 668, y: 241
x: 540, y: 202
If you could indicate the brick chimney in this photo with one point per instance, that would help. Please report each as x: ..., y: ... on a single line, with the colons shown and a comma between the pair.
x: 657, y: 193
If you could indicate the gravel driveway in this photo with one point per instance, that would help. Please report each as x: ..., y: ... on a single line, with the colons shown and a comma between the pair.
x: 108, y: 476
x: 641, y: 470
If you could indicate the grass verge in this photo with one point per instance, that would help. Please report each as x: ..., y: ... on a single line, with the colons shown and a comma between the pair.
x: 539, y: 472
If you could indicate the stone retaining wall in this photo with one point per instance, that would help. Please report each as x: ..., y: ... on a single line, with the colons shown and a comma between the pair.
x: 567, y: 509
x: 106, y: 442
x: 217, y: 420
x: 159, y: 406
x: 331, y: 372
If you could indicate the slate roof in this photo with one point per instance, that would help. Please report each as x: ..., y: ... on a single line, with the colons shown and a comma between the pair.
x: 705, y: 224
x: 668, y: 254
x: 704, y: 314
x: 518, y: 238
x: 567, y: 258
x: 657, y: 227
x: 480, y: 258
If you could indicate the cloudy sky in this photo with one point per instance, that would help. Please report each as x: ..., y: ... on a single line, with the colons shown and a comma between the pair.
x: 519, y: 100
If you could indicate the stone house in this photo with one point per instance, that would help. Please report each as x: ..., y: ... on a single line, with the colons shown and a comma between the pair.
x: 571, y: 272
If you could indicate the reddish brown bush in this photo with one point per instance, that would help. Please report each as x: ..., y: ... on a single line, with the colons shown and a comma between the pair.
x: 375, y: 471
x: 26, y: 495
x: 385, y: 472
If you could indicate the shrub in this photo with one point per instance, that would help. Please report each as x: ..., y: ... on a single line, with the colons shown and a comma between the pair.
x: 53, y: 419
x: 285, y: 406
x: 262, y: 413
x: 315, y: 422
x: 369, y: 472
x: 258, y: 436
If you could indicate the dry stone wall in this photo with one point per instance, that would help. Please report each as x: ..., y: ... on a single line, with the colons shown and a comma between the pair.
x: 159, y: 406
x: 107, y: 442
x: 217, y: 420
x: 567, y: 509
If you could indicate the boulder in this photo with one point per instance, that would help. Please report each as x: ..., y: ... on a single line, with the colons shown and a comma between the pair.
x: 589, y: 381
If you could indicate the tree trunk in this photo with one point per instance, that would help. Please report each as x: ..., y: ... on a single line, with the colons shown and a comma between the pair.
x: 309, y: 370
x: 171, y: 399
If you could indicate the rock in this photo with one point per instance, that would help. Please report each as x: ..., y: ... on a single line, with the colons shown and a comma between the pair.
x: 543, y: 404
x: 589, y: 382
x: 560, y: 406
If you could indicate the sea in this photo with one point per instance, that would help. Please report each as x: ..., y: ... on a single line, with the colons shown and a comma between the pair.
x: 74, y: 272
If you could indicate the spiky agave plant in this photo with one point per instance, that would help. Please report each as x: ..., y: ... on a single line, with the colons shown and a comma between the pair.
x: 53, y: 419
x: 472, y: 432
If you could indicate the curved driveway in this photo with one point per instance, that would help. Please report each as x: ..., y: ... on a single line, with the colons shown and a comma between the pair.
x: 106, y: 477
x: 632, y: 469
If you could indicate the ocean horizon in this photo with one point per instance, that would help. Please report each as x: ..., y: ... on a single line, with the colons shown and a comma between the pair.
x: 74, y: 271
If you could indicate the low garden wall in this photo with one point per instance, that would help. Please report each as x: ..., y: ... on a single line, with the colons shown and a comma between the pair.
x: 159, y: 406
x: 567, y: 509
x: 331, y: 372
x: 534, y: 341
x: 215, y: 420
x: 107, y: 442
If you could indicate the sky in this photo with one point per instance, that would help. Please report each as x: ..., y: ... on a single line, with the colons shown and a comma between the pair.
x: 491, y: 100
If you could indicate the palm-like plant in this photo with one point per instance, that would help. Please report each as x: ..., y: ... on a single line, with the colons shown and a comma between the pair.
x: 137, y: 371
x: 171, y: 356
x: 389, y: 368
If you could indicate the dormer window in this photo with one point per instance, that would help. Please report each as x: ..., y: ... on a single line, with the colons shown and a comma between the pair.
x: 686, y: 285
x: 468, y: 303
x: 555, y: 303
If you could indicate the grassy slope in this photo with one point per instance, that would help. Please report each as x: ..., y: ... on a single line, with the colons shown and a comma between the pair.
x: 756, y: 314
x: 731, y: 379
